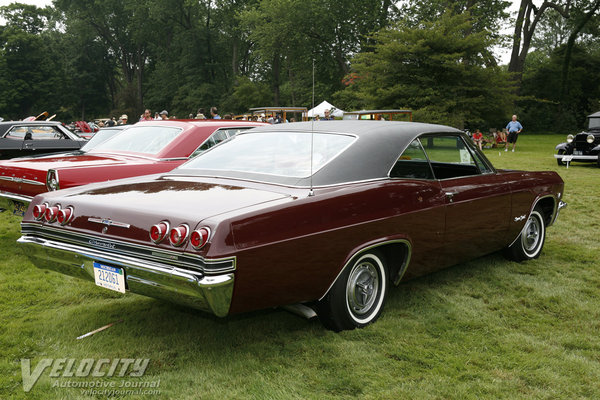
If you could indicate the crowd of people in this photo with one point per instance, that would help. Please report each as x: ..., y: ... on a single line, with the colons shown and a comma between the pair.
x: 499, y: 138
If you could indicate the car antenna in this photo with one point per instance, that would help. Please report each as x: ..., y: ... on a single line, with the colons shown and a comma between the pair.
x: 312, y: 131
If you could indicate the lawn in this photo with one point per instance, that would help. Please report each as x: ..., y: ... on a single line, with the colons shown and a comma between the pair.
x: 489, y: 328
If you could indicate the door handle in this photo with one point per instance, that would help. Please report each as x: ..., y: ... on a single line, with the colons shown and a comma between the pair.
x: 450, y: 196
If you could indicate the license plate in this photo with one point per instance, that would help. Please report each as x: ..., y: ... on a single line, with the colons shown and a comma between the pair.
x: 577, y: 152
x: 567, y: 158
x: 19, y: 208
x: 108, y: 277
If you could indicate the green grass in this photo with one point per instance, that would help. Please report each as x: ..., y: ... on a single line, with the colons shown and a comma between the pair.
x: 489, y: 328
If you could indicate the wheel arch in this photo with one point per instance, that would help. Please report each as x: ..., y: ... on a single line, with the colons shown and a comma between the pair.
x: 397, y: 253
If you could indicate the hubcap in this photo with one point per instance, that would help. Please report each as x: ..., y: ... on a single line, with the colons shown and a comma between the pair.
x: 531, y: 234
x: 362, y: 288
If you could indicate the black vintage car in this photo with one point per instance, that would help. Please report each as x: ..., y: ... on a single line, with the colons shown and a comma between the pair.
x: 583, y: 147
x: 25, y: 138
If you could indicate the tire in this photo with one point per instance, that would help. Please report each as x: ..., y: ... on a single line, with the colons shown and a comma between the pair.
x: 530, y: 242
x: 560, y: 162
x: 356, y: 298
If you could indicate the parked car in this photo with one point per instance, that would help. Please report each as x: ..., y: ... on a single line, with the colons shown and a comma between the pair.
x: 263, y: 221
x: 583, y: 147
x: 144, y: 148
x: 24, y: 138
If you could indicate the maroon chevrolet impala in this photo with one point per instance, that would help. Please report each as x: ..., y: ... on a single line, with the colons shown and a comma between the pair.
x: 144, y: 148
x: 330, y: 214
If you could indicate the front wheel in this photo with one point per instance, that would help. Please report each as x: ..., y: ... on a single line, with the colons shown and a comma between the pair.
x: 531, y: 239
x: 356, y: 298
x: 559, y: 160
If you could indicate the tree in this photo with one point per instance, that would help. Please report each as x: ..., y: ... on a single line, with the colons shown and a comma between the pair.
x: 435, y: 69
x: 28, y: 71
x: 528, y: 18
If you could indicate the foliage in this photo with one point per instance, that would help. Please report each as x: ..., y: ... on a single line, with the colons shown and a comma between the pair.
x: 436, y: 69
x: 545, y: 110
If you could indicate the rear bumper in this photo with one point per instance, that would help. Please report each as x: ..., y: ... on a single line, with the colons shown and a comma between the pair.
x: 7, y: 200
x: 211, y: 293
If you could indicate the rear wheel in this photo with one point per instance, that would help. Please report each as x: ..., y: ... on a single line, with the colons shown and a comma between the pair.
x: 356, y: 298
x: 530, y: 242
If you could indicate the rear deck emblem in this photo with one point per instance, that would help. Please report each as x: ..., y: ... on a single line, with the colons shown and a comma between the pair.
x: 109, y: 222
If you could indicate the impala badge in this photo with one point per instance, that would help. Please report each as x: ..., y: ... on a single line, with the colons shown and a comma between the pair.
x: 521, y: 218
x: 109, y: 222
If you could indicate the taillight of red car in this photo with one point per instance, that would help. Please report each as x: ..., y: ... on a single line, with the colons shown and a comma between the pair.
x: 159, y: 231
x: 65, y: 215
x: 51, y: 213
x: 179, y: 235
x: 199, y: 238
x: 39, y: 211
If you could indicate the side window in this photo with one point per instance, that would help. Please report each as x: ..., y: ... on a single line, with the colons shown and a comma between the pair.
x: 216, y: 138
x: 34, y: 133
x: 450, y: 157
x: 412, y: 163
x: 17, y: 133
x: 46, y: 133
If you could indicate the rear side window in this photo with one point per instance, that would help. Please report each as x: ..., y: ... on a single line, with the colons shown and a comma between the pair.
x: 450, y: 157
x: 412, y: 163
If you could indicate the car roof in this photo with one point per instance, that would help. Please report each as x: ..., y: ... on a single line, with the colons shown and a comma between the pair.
x: 371, y: 156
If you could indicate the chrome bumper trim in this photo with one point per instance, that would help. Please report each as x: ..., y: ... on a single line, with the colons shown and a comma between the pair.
x: 576, y: 158
x: 211, y: 293
x: 6, y: 200
x: 561, y: 205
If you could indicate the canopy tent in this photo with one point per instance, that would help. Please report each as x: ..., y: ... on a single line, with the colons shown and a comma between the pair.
x: 325, y: 105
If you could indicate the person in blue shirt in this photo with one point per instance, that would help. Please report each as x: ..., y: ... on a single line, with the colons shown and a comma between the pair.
x: 514, y: 127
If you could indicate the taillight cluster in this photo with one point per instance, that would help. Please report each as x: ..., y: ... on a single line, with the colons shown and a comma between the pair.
x: 53, y: 213
x: 179, y: 235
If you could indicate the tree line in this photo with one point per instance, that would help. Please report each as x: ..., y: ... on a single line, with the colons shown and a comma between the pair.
x: 84, y: 59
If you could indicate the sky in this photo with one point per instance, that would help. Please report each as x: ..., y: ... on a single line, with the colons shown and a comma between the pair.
x: 503, y: 55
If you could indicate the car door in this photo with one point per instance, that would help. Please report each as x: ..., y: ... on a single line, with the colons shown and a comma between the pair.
x: 420, y: 202
x: 12, y: 142
x: 46, y: 139
x: 477, y: 199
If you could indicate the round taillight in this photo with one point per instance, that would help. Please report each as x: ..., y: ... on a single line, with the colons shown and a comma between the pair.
x: 39, y: 210
x: 65, y: 215
x: 199, y: 237
x: 51, y: 213
x: 159, y: 231
x: 178, y: 235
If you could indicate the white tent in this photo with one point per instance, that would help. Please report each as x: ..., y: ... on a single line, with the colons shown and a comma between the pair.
x: 325, y: 105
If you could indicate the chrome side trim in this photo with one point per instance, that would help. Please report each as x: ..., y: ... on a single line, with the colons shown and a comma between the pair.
x: 109, y: 222
x: 21, y: 180
x: 163, y: 281
x: 189, y: 261
x: 401, y: 271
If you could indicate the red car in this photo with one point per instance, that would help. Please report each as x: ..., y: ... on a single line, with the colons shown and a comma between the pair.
x: 144, y: 148
x: 330, y: 214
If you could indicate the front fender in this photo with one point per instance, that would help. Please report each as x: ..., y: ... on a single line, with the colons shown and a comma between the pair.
x: 562, y: 146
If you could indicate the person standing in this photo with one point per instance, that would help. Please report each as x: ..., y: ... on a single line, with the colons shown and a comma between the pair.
x: 327, y: 116
x: 214, y: 114
x: 164, y: 115
x: 514, y: 127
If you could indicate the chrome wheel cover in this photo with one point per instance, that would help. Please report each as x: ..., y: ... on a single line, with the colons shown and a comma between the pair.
x: 531, y: 237
x: 362, y: 288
